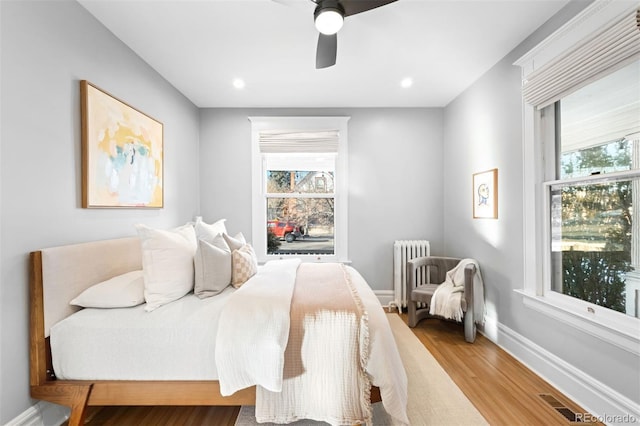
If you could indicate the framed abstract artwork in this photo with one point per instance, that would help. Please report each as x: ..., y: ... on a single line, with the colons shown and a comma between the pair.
x: 485, y: 194
x: 122, y: 153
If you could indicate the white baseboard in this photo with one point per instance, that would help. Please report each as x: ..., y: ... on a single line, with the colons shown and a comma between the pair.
x: 41, y: 414
x: 385, y: 297
x: 608, y: 405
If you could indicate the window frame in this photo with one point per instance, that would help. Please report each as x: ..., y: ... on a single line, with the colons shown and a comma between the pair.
x: 539, y: 153
x: 341, y: 195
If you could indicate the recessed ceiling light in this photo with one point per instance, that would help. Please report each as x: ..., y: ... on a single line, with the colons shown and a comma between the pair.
x: 406, y: 82
x: 238, y: 83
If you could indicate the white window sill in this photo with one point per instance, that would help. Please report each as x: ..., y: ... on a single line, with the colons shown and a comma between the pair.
x: 624, y: 336
x: 306, y: 258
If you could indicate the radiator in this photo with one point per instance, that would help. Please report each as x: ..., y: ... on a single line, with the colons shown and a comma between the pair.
x: 403, y: 251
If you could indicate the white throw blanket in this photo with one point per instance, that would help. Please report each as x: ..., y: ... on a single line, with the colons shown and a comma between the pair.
x: 327, y: 353
x: 446, y: 299
x: 254, y: 329
x: 385, y: 365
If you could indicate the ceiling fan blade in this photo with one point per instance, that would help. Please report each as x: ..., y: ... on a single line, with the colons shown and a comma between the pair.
x: 351, y: 7
x: 326, y: 51
x: 293, y: 3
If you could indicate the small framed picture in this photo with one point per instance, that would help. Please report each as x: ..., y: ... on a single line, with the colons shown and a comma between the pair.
x: 485, y: 194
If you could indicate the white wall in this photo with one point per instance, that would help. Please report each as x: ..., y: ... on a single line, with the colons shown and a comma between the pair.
x: 483, y: 130
x: 395, y: 178
x: 47, y: 47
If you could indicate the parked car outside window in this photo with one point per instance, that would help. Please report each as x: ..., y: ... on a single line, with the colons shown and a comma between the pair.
x: 285, y: 230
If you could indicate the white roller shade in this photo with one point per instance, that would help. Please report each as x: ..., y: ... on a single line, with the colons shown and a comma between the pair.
x: 273, y: 141
x: 300, y: 162
x: 606, y: 52
x: 603, y: 111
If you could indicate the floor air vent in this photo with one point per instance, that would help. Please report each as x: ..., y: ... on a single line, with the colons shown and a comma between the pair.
x: 560, y: 408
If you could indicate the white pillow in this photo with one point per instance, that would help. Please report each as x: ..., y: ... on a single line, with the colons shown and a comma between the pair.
x: 245, y: 265
x: 121, y: 291
x: 167, y: 263
x: 206, y: 231
x: 236, y: 242
x: 212, y: 267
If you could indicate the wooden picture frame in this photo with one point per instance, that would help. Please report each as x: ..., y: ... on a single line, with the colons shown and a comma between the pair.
x: 122, y: 153
x: 485, y: 194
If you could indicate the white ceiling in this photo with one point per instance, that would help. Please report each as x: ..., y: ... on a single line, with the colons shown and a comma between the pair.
x: 202, y: 46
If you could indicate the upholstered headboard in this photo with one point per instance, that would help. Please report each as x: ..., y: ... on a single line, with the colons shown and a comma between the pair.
x: 68, y: 270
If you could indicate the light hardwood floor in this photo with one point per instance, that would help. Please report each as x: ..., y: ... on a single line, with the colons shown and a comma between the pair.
x: 501, y: 388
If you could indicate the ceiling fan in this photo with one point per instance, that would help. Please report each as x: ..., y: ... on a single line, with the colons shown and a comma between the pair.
x: 329, y: 16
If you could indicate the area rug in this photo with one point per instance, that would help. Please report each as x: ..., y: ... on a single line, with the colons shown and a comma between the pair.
x: 434, y: 399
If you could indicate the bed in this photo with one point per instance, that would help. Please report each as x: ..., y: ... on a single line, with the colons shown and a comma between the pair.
x: 59, y: 274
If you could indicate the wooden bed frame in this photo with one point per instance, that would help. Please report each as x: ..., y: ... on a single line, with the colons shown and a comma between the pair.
x: 108, y: 259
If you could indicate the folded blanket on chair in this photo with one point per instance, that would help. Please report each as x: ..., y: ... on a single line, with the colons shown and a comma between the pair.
x: 446, y: 299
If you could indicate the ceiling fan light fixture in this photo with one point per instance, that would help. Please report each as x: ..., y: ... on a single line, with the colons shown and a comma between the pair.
x: 329, y: 17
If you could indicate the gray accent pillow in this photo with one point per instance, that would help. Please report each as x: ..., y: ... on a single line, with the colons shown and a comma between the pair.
x: 212, y: 267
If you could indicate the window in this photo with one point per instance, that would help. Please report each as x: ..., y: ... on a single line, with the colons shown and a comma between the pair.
x: 299, y: 187
x: 300, y: 196
x: 581, y: 164
x: 594, y: 237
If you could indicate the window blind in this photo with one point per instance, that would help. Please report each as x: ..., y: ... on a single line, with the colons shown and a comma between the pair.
x: 292, y: 162
x: 279, y: 142
x: 604, y: 53
x: 615, y: 98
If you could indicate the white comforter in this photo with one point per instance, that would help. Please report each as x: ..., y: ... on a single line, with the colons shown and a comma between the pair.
x: 174, y: 342
x: 253, y: 334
